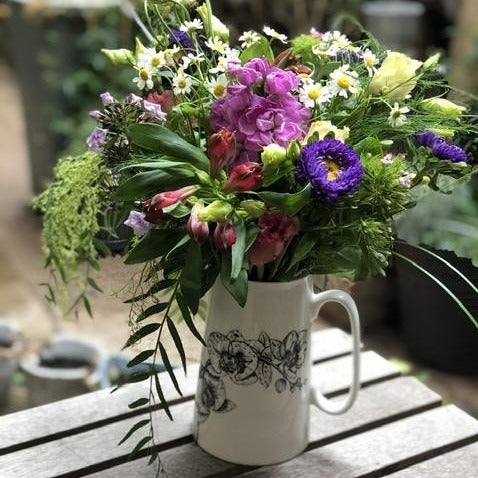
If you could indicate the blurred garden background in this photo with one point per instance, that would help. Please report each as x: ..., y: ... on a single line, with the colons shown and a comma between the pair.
x: 51, y: 73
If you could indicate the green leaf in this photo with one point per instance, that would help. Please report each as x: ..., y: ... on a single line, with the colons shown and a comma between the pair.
x: 141, y: 333
x: 141, y: 402
x: 304, y: 246
x: 180, y: 244
x: 156, y: 243
x: 237, y: 287
x: 93, y: 284
x: 160, y: 393
x: 238, y: 249
x: 158, y: 138
x: 259, y: 49
x: 251, y: 235
x: 188, y: 318
x: 191, y: 277
x: 177, y: 341
x: 139, y: 446
x: 153, y: 309
x: 159, y: 164
x: 139, y: 377
x: 177, y: 210
x: 158, y: 287
x: 144, y: 184
x: 87, y: 305
x: 140, y: 358
x: 169, y: 368
x: 369, y: 145
x: 288, y: 203
x: 133, y: 429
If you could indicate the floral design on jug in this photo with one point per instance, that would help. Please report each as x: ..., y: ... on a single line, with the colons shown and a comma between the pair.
x: 247, y: 362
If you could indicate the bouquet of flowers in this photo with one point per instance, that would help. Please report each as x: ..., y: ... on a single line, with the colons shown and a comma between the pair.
x: 267, y: 160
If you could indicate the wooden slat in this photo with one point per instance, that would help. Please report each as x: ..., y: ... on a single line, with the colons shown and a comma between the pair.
x: 461, y: 463
x: 99, y: 445
x: 36, y: 426
x: 382, y: 450
x: 376, y: 405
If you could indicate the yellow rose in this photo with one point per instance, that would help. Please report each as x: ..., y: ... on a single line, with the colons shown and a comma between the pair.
x: 443, y: 107
x: 321, y: 129
x: 396, y: 78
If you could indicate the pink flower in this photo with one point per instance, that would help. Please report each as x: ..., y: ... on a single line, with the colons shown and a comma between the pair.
x: 275, y: 232
x: 244, y: 177
x: 224, y: 236
x: 165, y: 99
x: 221, y: 149
x: 280, y: 82
x: 198, y: 230
x: 154, y: 207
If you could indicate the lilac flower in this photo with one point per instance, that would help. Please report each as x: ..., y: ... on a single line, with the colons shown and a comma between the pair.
x: 440, y: 148
x: 138, y: 223
x: 96, y: 114
x: 107, y: 98
x: 133, y: 99
x: 280, y: 81
x: 332, y: 168
x: 97, y: 139
x: 182, y: 39
x: 153, y: 111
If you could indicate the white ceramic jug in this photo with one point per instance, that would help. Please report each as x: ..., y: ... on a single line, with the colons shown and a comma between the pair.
x: 254, y: 390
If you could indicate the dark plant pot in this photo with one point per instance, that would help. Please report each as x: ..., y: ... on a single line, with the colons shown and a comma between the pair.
x: 434, y: 328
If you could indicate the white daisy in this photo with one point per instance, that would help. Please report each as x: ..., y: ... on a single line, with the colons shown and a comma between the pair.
x: 181, y: 83
x: 151, y: 58
x: 191, y: 58
x: 343, y: 81
x: 397, y: 115
x: 231, y: 56
x: 144, y: 80
x: 216, y: 44
x: 270, y: 32
x: 189, y: 27
x: 313, y: 94
x: 170, y: 54
x: 370, y: 60
x: 218, y: 86
x: 249, y: 38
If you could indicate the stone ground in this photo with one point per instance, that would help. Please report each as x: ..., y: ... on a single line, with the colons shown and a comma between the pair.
x: 21, y: 272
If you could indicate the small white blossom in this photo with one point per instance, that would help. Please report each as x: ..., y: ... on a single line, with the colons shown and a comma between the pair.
x: 181, y: 83
x: 191, y: 58
x: 154, y: 111
x: 249, y: 38
x: 388, y: 159
x: 270, y: 32
x: 218, y: 86
x: 144, y: 80
x: 216, y: 44
x: 406, y: 180
x: 189, y: 27
x: 150, y: 58
x: 397, y: 115
x: 343, y: 81
x: 231, y: 55
x: 370, y: 61
x: 313, y: 94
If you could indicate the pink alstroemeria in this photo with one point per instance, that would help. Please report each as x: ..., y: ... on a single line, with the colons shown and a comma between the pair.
x: 198, y: 230
x: 221, y: 150
x: 154, y: 207
x: 224, y: 236
x: 244, y: 177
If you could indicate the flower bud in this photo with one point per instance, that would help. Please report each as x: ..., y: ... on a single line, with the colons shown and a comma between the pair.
x: 273, y: 155
x: 107, y: 98
x: 244, y: 177
x: 212, y: 25
x: 119, y: 57
x: 431, y: 61
x: 154, y: 207
x: 443, y: 107
x: 224, y: 236
x: 217, y: 211
x: 221, y: 149
x: 294, y: 151
x: 320, y: 129
x: 198, y: 230
x: 252, y: 208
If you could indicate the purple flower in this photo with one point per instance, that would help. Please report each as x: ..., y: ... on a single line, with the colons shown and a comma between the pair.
x: 440, y: 148
x: 252, y: 73
x: 133, y: 99
x: 138, y: 223
x: 332, y: 168
x: 107, y: 98
x: 97, y: 139
x: 154, y: 111
x: 182, y: 39
x: 96, y: 114
x: 280, y: 82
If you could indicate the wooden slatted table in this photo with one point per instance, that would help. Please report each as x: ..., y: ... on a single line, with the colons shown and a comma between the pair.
x: 397, y: 428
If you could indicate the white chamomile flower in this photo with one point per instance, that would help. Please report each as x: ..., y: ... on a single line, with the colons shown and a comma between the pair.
x: 216, y: 44
x: 192, y: 26
x: 341, y: 42
x: 270, y: 32
x: 218, y: 86
x: 334, y: 36
x: 191, y: 58
x: 249, y: 38
x: 312, y: 94
x: 343, y: 81
x: 170, y: 54
x: 370, y: 60
x: 181, y: 83
x: 397, y: 115
x: 144, y: 80
x: 231, y: 56
x: 152, y: 59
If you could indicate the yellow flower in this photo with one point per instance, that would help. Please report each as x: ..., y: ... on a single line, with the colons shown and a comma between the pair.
x: 320, y: 129
x: 443, y: 107
x: 396, y: 78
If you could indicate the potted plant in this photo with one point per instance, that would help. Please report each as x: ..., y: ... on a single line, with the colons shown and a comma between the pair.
x: 247, y: 170
x: 11, y: 347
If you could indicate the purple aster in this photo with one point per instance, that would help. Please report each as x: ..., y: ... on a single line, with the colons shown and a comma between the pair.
x: 177, y: 37
x: 440, y: 148
x: 138, y: 223
x: 332, y: 168
x: 97, y: 139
